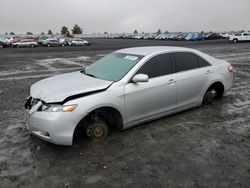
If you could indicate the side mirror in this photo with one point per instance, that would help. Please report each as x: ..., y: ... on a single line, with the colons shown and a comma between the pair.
x: 140, y: 78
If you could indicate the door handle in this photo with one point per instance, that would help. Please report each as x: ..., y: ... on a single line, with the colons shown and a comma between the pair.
x: 171, y: 81
x: 209, y: 72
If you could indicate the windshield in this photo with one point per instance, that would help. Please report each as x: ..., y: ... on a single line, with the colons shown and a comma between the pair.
x: 113, y: 66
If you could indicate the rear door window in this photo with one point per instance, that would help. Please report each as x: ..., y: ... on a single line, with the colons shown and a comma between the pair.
x: 159, y: 65
x: 185, y: 61
x: 202, y: 62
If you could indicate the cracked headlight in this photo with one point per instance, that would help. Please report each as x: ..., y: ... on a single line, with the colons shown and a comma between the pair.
x: 57, y: 108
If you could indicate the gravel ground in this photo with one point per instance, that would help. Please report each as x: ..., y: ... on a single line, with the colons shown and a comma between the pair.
x: 202, y: 147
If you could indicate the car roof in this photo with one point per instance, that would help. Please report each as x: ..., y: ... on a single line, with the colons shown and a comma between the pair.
x: 150, y: 50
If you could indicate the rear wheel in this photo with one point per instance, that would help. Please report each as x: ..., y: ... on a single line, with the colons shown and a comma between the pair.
x: 32, y: 46
x: 210, y: 96
x: 235, y: 40
x: 97, y: 129
x: 62, y: 44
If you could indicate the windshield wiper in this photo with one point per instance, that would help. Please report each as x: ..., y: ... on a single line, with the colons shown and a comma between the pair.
x: 91, y: 75
x: 84, y: 72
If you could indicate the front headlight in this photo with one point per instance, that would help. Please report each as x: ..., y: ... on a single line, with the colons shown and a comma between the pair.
x: 57, y: 108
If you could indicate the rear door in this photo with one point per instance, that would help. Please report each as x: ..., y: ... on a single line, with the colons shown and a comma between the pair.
x: 192, y: 76
x: 248, y: 36
x: 24, y: 43
x: 55, y: 42
x: 155, y: 97
x: 244, y: 37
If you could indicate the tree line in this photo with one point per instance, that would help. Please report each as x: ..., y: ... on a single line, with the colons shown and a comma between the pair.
x: 64, y: 31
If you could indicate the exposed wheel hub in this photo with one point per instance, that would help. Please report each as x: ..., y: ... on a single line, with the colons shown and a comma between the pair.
x: 98, y: 131
x: 213, y: 93
x: 210, y: 95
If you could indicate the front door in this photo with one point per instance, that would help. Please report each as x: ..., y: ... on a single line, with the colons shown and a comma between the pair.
x: 155, y: 97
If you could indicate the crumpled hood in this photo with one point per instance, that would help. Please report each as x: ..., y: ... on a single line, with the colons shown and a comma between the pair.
x: 58, y: 88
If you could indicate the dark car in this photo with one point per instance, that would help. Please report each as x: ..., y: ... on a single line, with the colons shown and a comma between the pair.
x: 41, y: 39
x: 213, y: 36
x: 3, y: 43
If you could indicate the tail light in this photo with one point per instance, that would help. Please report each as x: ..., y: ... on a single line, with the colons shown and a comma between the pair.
x: 230, y: 68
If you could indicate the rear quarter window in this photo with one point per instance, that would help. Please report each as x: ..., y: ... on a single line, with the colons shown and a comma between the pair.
x: 202, y: 62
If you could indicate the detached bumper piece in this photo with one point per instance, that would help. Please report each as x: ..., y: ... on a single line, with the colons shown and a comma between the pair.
x: 30, y: 102
x: 42, y: 134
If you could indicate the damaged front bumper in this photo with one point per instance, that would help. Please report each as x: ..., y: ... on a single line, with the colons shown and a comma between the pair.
x: 54, y: 127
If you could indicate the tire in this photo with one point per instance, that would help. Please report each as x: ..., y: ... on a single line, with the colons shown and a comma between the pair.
x: 17, y: 46
x: 48, y: 45
x: 32, y: 46
x: 62, y: 45
x: 209, y: 96
x: 97, y: 130
x: 235, y: 40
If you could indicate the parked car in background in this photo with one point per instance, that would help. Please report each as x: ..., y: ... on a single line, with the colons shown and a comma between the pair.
x: 173, y: 36
x: 150, y: 36
x: 224, y: 35
x: 16, y: 39
x: 199, y: 37
x: 240, y: 37
x: 9, y: 39
x: 62, y: 41
x: 78, y: 42
x: 138, y: 37
x: 181, y: 36
x: 51, y: 42
x: 4, y: 43
x: 189, y: 37
x: 213, y: 36
x: 124, y: 89
x: 25, y: 43
x: 159, y: 37
x: 41, y: 39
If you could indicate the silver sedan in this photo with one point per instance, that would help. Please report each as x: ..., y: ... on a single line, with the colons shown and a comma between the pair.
x: 25, y: 43
x: 124, y: 89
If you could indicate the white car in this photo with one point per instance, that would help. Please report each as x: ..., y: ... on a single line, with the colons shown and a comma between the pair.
x: 224, y: 35
x: 240, y: 37
x: 62, y: 41
x: 9, y: 39
x: 79, y: 42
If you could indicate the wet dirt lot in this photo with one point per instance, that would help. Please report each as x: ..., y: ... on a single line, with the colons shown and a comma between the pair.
x: 202, y: 147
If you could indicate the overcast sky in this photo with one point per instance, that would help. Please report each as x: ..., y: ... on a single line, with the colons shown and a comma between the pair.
x: 21, y: 16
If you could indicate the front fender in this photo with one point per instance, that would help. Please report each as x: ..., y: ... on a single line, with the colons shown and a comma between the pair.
x: 109, y: 98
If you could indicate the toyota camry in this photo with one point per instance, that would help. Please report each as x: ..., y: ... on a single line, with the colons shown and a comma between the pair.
x: 123, y: 89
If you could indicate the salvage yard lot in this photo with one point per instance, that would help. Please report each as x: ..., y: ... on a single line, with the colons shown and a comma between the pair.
x: 202, y: 147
